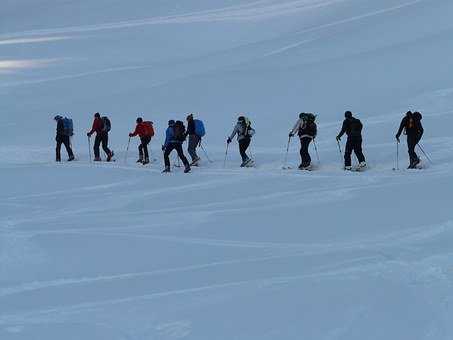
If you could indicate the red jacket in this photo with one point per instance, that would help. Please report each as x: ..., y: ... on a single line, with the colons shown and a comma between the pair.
x: 143, y: 129
x: 98, y: 125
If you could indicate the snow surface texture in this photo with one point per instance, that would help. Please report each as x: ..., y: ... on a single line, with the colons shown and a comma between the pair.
x: 119, y: 251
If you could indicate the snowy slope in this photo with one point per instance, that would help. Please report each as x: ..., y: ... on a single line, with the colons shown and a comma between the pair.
x: 118, y: 251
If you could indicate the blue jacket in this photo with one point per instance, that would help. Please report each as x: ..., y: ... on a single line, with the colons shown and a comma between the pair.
x: 170, y: 136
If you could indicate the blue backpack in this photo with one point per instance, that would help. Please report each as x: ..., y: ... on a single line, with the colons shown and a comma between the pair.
x: 199, y: 128
x: 68, y: 127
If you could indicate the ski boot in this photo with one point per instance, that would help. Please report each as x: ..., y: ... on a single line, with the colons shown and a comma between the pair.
x: 245, y: 162
x: 97, y: 159
x: 145, y: 161
x: 305, y: 167
x: 362, y: 164
x: 140, y: 160
x: 187, y: 169
x: 195, y: 161
x: 110, y: 155
x: 347, y: 168
x: 167, y: 169
x: 58, y: 160
x: 71, y: 158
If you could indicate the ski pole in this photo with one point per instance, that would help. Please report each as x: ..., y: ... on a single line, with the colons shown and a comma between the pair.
x: 339, y: 148
x: 89, y: 147
x: 316, y: 149
x: 127, y: 150
x: 397, y: 155
x: 226, y: 154
x: 285, y: 162
x: 423, y: 151
x: 207, y: 157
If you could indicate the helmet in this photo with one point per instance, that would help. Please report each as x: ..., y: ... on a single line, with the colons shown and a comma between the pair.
x: 302, y: 115
x: 171, y: 122
x: 139, y: 120
x: 348, y: 114
x: 241, y: 119
x: 57, y: 117
x: 97, y: 115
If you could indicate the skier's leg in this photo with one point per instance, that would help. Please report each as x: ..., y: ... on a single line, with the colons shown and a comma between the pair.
x: 67, y: 145
x: 97, y: 143
x: 358, y: 150
x: 180, y: 152
x: 411, y: 144
x: 348, y: 152
x: 140, y: 150
x: 306, y: 159
x: 168, y: 149
x: 191, y: 148
x: 58, y: 149
x: 243, y: 146
x: 105, y: 143
x: 145, y: 142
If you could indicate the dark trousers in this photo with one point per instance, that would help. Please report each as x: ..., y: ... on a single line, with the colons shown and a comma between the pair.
x: 353, y: 144
x: 412, y: 142
x: 304, y: 154
x: 67, y: 144
x: 101, y: 138
x: 243, y: 146
x: 178, y: 147
x: 194, y: 140
x: 143, y: 147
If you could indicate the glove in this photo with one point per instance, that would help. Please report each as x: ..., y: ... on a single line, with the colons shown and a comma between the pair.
x: 228, y: 140
x: 291, y: 135
x: 338, y: 138
x: 397, y: 138
x: 163, y: 147
x: 131, y: 135
x: 88, y: 134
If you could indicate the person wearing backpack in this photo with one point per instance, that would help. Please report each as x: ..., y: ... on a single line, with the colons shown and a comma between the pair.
x: 64, y: 133
x: 353, y: 129
x: 145, y: 131
x: 306, y: 129
x: 412, y: 126
x: 195, y: 131
x: 102, y: 128
x: 175, y: 135
x: 244, y: 132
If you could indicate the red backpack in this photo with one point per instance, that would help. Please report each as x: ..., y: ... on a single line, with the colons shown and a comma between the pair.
x: 148, y: 127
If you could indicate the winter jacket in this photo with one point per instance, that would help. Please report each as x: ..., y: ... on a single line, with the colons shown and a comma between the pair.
x: 191, y: 127
x: 304, y: 129
x: 413, y: 127
x: 352, y: 127
x: 60, y: 127
x: 141, y: 130
x: 170, y: 136
x: 241, y: 130
x: 98, y: 126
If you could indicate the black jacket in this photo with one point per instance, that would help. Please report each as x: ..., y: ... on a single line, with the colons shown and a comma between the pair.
x: 60, y: 127
x: 190, y: 127
x: 352, y: 127
x: 413, y: 126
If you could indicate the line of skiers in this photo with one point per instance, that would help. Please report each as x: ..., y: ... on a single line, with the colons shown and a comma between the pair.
x: 176, y: 133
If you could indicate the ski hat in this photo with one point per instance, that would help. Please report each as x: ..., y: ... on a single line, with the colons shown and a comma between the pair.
x: 241, y: 119
x: 171, y: 122
x: 189, y: 116
x: 408, y: 113
x: 57, y: 117
x: 302, y: 115
x: 139, y: 120
x: 97, y: 115
x: 348, y: 114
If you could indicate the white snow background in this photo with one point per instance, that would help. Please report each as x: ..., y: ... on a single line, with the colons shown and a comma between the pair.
x: 119, y: 251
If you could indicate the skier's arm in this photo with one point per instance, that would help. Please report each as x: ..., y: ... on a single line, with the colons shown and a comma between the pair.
x: 400, y: 130
x: 60, y: 127
x: 343, y: 130
x: 135, y: 133
x: 420, y: 129
x: 296, y: 127
x: 235, y: 131
x: 168, y: 136
x: 94, y: 127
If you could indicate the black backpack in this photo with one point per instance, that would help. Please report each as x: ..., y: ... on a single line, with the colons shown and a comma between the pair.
x: 179, y: 131
x: 107, y: 126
